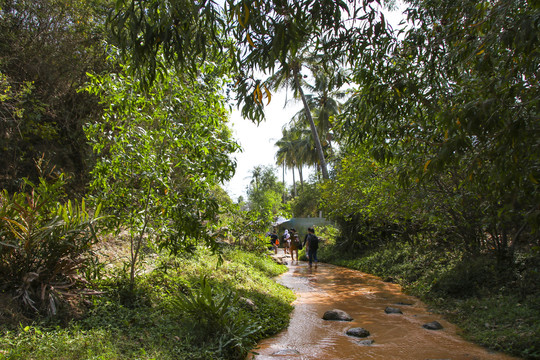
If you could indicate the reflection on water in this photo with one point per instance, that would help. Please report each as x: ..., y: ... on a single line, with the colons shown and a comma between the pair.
x: 364, y: 297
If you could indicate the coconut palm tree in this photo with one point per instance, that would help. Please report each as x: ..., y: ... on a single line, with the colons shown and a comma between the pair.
x: 324, y: 104
x: 290, y: 76
x: 287, y: 153
x: 297, y: 149
x: 256, y: 174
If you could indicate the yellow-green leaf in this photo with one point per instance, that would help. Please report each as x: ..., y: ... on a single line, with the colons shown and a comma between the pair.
x: 259, y: 94
x: 98, y: 210
x: 238, y: 15
x: 246, y: 13
x: 249, y: 40
x: 268, y: 95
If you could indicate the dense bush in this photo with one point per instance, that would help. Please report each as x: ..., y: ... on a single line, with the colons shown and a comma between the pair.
x: 44, y: 244
x: 506, y: 323
x: 46, y: 49
x: 304, y: 204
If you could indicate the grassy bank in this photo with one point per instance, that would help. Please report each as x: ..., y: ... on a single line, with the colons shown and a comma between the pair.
x: 183, y: 307
x: 496, y: 306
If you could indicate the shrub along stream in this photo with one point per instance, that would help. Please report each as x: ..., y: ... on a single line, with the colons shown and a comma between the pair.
x: 183, y: 307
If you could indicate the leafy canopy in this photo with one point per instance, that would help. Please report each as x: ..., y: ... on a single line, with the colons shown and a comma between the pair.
x: 161, y: 150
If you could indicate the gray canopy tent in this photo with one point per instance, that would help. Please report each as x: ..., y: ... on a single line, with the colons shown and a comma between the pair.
x: 300, y: 224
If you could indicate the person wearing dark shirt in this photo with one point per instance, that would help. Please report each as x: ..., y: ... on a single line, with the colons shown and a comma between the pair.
x: 312, y: 245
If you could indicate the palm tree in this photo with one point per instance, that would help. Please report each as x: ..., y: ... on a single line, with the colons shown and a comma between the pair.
x: 296, y: 148
x: 290, y: 76
x: 256, y: 174
x: 287, y: 152
x: 304, y: 148
x: 324, y: 105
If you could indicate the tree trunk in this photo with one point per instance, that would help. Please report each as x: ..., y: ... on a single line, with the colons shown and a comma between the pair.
x: 294, y: 181
x: 314, y: 132
x: 300, y: 173
x: 136, y: 244
x: 284, y: 187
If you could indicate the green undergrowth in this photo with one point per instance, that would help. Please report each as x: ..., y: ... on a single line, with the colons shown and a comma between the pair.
x: 185, y: 307
x: 497, y: 306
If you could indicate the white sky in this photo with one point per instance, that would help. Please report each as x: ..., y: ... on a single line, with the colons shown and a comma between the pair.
x: 258, y: 142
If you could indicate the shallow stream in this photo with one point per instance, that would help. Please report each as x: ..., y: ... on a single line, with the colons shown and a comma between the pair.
x: 364, y: 297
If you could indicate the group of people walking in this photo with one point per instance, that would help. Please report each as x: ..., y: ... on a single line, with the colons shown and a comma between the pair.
x: 292, y: 243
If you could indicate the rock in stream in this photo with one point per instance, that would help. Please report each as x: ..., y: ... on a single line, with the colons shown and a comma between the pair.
x: 337, y: 315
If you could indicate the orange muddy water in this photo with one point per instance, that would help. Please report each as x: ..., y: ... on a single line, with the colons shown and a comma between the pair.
x: 364, y: 297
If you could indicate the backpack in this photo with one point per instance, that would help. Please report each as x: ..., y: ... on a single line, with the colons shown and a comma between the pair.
x: 297, y: 242
x: 313, y: 241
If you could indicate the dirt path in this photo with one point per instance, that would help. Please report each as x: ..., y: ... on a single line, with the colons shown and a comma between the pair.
x: 365, y: 298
